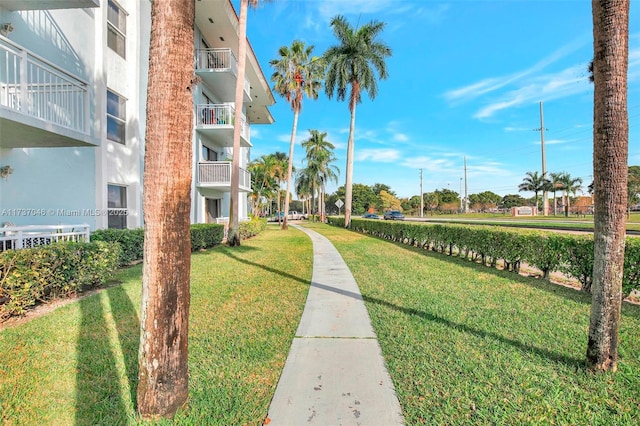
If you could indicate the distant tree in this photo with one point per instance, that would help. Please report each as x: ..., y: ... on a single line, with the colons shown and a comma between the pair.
x: 484, y: 200
x: 555, y: 185
x: 379, y: 187
x: 389, y: 202
x: 534, y: 182
x: 362, y: 196
x: 351, y: 65
x: 431, y: 201
x: 512, y: 200
x: 446, y: 196
x: 610, y: 175
x: 570, y: 185
x: 633, y: 186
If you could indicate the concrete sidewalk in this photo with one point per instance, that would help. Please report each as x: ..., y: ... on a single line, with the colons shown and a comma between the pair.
x: 335, y: 373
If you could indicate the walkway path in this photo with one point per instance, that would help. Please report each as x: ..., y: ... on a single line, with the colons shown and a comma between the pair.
x: 335, y: 373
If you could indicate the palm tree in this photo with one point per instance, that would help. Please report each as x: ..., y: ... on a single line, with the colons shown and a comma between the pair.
x: 319, y: 158
x: 554, y: 186
x: 570, y: 185
x: 163, y: 381
x: 233, y: 238
x: 351, y: 65
x: 534, y: 182
x: 280, y: 174
x: 297, y: 73
x: 304, y: 187
x: 263, y: 171
x: 610, y: 152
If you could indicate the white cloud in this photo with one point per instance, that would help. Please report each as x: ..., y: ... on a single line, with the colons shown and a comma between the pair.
x: 377, y: 155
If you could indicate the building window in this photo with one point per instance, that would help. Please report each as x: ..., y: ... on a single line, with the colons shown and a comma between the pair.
x: 117, y: 206
x: 116, y: 28
x: 116, y: 117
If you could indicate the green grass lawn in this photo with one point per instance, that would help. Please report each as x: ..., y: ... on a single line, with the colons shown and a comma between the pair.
x: 78, y: 364
x: 467, y: 344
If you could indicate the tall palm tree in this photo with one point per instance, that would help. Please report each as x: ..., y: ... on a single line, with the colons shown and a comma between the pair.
x: 304, y: 187
x: 534, y: 182
x: 610, y: 155
x: 570, y: 185
x: 319, y: 158
x: 281, y: 162
x: 233, y: 238
x: 163, y: 382
x: 297, y: 73
x: 351, y: 65
x: 554, y: 186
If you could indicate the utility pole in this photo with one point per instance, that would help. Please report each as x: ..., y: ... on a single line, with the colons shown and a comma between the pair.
x: 545, y: 194
x: 466, y: 199
x: 421, y: 195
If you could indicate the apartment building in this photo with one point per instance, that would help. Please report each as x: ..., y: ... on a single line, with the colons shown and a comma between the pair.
x: 73, y: 81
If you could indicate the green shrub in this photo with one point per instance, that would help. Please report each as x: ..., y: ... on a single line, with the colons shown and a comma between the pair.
x: 206, y: 235
x: 131, y: 242
x: 38, y: 274
x: 203, y: 236
x: 251, y: 228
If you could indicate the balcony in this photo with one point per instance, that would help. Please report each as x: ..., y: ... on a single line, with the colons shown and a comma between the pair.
x: 216, y: 122
x: 49, y: 4
x: 41, y: 105
x: 218, y: 69
x: 217, y: 175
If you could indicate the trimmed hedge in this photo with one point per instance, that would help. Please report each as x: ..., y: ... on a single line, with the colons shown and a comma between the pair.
x: 251, y: 228
x: 203, y: 236
x: 549, y: 252
x: 28, y: 276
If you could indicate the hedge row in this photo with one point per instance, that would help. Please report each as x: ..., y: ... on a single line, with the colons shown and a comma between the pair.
x: 32, y: 275
x: 549, y: 252
x: 203, y: 236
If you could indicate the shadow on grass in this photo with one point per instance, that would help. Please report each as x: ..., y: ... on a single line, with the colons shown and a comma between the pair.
x: 127, y: 323
x: 524, y: 347
x: 230, y: 254
x: 99, y: 399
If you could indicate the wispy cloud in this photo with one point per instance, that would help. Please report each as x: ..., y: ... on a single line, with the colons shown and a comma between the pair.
x: 492, y: 84
x: 569, y: 81
x: 378, y: 155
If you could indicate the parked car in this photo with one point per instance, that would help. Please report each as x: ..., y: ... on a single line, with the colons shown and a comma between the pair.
x: 370, y: 216
x: 294, y: 215
x: 393, y: 215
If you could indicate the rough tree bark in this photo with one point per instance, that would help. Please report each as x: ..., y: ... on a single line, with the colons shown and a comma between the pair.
x: 163, y: 376
x: 610, y: 151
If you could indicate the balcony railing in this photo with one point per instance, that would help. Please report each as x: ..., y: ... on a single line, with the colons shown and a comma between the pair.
x: 18, y: 237
x: 218, y: 173
x: 219, y: 60
x: 212, y: 115
x: 32, y: 86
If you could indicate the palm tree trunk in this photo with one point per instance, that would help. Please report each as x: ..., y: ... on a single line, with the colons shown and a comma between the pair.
x: 610, y: 154
x: 233, y: 238
x: 348, y: 187
x: 163, y: 384
x: 290, y: 167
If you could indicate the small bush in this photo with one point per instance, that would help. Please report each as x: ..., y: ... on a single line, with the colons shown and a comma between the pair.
x: 38, y: 274
x: 252, y: 228
x: 131, y: 242
x: 206, y: 235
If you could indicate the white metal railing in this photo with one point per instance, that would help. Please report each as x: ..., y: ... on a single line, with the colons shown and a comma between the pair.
x: 35, y: 87
x: 225, y: 221
x: 219, y: 172
x: 219, y: 59
x: 18, y: 237
x: 221, y: 115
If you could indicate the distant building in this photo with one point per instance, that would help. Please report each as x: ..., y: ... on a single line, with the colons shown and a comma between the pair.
x: 73, y: 83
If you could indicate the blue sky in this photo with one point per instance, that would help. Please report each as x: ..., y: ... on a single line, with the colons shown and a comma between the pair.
x: 465, y: 79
